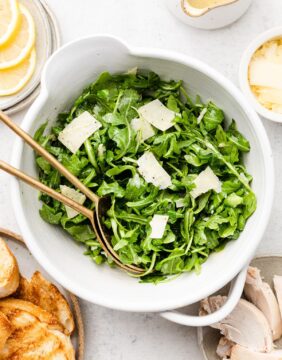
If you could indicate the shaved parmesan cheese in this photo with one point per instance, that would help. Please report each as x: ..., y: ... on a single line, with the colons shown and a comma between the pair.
x: 78, y: 131
x: 143, y: 127
x: 180, y: 203
x: 74, y: 195
x: 206, y: 181
x: 265, y: 75
x: 152, y: 171
x: 202, y: 114
x: 263, y: 72
x: 157, y: 114
x: 132, y: 71
x: 158, y: 224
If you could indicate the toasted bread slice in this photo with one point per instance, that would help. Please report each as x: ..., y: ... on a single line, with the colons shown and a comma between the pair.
x: 42, y: 293
x: 66, y: 344
x: 5, y: 329
x: 9, y: 306
x: 32, y: 339
x: 9, y: 271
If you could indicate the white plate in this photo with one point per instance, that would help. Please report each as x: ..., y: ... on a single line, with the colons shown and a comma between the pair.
x: 271, y: 34
x: 28, y: 265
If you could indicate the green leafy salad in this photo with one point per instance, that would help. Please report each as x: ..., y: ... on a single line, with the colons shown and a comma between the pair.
x: 173, y: 168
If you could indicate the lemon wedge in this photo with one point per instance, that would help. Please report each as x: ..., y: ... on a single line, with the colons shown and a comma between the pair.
x: 18, y: 48
x: 14, y: 79
x: 9, y: 18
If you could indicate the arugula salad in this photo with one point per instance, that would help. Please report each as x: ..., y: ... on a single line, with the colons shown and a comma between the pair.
x: 172, y: 166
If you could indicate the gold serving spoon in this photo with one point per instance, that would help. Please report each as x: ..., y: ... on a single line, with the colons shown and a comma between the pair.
x: 102, y: 204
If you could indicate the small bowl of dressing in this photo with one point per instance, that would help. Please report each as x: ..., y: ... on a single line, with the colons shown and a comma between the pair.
x: 208, y: 14
x: 260, y: 74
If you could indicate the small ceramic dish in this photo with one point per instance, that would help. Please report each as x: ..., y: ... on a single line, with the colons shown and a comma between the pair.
x: 213, y: 16
x: 271, y: 34
x: 208, y: 337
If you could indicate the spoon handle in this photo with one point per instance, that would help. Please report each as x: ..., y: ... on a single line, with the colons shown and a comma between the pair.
x: 50, y: 158
x: 45, y: 189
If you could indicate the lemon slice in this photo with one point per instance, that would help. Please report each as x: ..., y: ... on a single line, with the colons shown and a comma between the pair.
x: 20, y: 45
x: 9, y: 18
x: 14, y: 79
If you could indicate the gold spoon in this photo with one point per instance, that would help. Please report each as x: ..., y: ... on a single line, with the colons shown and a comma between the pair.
x: 102, y: 204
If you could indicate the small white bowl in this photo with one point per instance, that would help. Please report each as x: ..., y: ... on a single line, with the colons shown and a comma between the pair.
x: 244, y: 77
x: 213, y: 17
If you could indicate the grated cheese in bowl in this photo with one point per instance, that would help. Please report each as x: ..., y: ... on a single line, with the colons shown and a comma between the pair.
x: 265, y: 75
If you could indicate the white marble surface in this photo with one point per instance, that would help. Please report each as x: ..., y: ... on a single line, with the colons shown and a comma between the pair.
x: 114, y: 335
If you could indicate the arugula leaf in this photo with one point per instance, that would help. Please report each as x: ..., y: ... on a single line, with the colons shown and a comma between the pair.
x: 135, y: 188
x: 233, y: 200
x: 50, y: 215
x: 113, y: 188
x: 237, y: 138
x: 213, y: 117
x: 73, y: 163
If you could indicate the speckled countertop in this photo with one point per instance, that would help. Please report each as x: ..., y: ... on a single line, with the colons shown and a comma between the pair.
x: 113, y: 335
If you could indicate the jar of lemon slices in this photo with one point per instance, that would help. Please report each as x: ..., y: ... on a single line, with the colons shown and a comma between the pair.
x: 28, y: 36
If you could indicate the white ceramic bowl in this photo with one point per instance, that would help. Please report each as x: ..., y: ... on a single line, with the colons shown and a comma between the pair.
x: 244, y: 70
x: 68, y: 71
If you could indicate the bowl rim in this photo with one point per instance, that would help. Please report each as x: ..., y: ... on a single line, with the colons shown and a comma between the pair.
x: 187, y: 298
x: 256, y: 43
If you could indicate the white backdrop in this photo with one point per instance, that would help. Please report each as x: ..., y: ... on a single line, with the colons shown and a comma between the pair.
x: 112, y: 335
